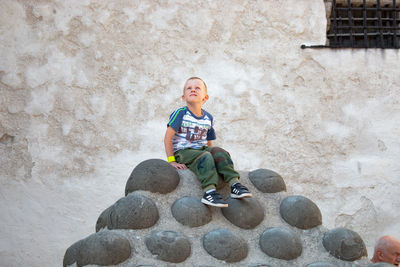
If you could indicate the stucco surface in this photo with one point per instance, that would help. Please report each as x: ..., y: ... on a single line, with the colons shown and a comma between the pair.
x: 87, y: 88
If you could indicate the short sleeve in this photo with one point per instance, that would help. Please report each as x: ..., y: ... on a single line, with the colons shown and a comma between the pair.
x: 211, y: 132
x: 175, y: 119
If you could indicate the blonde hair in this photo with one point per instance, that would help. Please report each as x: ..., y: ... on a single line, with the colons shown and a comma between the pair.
x: 195, y: 78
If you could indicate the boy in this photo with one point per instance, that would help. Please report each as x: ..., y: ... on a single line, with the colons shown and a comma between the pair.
x: 188, y: 143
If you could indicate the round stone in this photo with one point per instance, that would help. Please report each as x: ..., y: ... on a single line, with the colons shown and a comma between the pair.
x: 191, y: 212
x: 321, y: 264
x: 281, y: 243
x: 344, y: 244
x: 267, y: 181
x: 102, y: 248
x: 244, y: 213
x: 224, y: 245
x: 130, y: 212
x: 169, y: 246
x: 154, y: 175
x: 300, y: 212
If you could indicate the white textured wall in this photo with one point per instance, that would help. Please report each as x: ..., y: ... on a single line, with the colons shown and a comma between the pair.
x: 87, y: 88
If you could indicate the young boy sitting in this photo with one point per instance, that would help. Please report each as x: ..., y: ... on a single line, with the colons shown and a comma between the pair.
x: 188, y: 143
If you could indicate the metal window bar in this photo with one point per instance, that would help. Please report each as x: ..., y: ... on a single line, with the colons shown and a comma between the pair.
x: 350, y: 22
x: 382, y: 42
x: 394, y: 15
x: 363, y: 26
x: 334, y: 20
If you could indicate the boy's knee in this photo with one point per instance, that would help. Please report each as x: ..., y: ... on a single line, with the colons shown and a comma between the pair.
x: 214, y: 150
x: 205, y: 162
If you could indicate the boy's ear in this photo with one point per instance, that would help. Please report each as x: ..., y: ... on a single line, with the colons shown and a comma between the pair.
x: 205, y: 98
x: 183, y: 97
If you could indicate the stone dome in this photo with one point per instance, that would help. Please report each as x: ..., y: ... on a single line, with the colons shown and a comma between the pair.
x: 300, y: 212
x: 281, y: 243
x: 169, y: 246
x: 267, y: 181
x: 224, y: 245
x: 130, y: 212
x: 162, y: 226
x: 344, y: 244
x: 154, y: 175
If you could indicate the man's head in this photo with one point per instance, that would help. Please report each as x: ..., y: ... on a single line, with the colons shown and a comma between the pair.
x: 387, y: 249
x: 195, y: 90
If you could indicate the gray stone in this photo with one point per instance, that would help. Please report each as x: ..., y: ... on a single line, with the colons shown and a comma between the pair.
x: 380, y: 264
x: 224, y: 245
x: 244, y: 213
x: 191, y: 212
x: 130, y: 212
x: 267, y: 181
x: 344, y: 244
x: 281, y: 243
x: 102, y: 248
x: 322, y: 264
x: 169, y: 246
x: 300, y: 212
x: 154, y: 175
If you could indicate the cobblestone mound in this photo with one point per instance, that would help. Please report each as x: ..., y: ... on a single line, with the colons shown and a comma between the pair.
x: 164, y: 223
x: 130, y: 212
x: 102, y: 248
x: 300, y: 212
x: 267, y: 181
x: 224, y: 245
x: 168, y: 246
x: 154, y: 175
x: 244, y: 213
x: 281, y: 243
x: 190, y: 211
x: 344, y: 244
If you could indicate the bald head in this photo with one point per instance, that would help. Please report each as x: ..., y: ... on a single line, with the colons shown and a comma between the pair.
x: 387, y: 249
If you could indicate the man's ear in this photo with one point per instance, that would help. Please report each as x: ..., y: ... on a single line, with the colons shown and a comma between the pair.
x: 379, y: 253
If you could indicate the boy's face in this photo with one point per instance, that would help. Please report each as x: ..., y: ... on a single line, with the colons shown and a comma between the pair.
x: 194, y: 92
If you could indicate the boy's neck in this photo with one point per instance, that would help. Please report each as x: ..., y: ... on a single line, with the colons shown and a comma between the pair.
x: 195, y: 109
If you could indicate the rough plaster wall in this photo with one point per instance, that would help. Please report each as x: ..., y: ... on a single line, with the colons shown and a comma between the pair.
x: 87, y: 87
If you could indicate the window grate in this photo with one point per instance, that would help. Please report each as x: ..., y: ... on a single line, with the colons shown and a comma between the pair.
x: 363, y: 25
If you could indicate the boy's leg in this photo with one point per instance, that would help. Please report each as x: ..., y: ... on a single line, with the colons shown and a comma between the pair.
x: 201, y: 162
x: 224, y: 165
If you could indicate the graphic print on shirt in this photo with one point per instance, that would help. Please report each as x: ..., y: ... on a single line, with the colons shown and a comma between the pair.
x: 193, y: 134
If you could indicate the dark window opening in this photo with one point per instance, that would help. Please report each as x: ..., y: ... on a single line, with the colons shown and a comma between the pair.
x: 364, y: 24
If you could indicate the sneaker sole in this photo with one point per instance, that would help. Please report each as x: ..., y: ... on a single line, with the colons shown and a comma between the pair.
x: 245, y: 195
x: 214, y: 204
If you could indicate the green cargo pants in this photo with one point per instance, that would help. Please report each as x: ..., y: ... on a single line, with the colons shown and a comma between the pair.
x: 206, y: 163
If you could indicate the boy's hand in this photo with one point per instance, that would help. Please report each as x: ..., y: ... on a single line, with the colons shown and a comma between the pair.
x: 177, y: 165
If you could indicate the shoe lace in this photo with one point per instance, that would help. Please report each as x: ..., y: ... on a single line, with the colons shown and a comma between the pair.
x: 215, y: 195
x: 240, y: 187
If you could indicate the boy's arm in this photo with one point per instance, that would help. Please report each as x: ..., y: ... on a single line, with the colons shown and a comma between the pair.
x: 209, y: 143
x: 169, y: 149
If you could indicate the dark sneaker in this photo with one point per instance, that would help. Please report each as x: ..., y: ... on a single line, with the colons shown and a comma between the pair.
x: 240, y: 191
x: 214, y: 199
